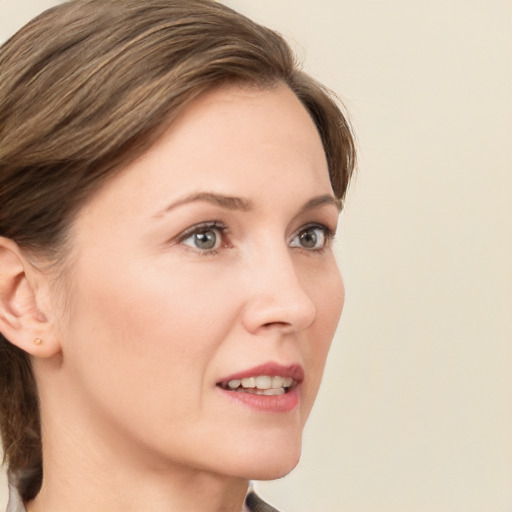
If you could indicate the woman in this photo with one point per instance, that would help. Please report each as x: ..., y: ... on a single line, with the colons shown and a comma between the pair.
x: 170, y: 183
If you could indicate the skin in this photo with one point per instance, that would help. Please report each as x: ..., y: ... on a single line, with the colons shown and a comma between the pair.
x: 151, y: 324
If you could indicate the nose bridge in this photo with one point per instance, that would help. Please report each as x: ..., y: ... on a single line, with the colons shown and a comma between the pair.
x: 276, y: 296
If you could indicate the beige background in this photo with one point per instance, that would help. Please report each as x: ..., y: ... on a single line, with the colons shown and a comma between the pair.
x: 415, y: 413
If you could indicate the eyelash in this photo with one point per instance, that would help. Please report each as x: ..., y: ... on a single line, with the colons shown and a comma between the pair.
x: 328, y: 234
x: 204, y: 227
x: 223, y: 231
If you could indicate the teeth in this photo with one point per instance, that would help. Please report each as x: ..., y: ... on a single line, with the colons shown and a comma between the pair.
x: 267, y: 392
x: 287, y: 382
x: 278, y: 382
x: 262, y: 384
x: 249, y: 382
x: 233, y: 384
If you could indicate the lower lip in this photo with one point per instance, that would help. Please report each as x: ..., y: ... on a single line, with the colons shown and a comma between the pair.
x: 265, y: 403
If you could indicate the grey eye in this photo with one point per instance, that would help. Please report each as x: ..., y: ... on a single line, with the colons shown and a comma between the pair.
x: 313, y: 237
x: 205, y: 240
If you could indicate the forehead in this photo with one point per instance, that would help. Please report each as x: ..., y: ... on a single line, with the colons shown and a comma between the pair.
x: 231, y: 113
x: 231, y: 140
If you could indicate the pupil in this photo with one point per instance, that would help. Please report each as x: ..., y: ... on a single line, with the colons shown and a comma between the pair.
x: 206, y: 240
x: 308, y: 239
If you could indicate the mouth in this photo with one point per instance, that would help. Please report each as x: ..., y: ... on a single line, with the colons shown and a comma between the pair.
x: 266, y: 385
x: 270, y: 379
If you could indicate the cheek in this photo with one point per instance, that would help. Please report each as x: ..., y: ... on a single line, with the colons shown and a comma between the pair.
x: 328, y: 295
x: 152, y: 319
x: 133, y: 336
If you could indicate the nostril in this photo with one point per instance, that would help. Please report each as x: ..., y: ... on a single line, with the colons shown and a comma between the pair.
x: 276, y: 324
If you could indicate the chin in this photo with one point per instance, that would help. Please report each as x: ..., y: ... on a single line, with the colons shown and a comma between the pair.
x: 274, y: 471
x: 269, y: 462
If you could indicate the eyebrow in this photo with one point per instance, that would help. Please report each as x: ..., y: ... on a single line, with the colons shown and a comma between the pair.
x: 324, y: 200
x: 238, y: 203
x: 228, y: 202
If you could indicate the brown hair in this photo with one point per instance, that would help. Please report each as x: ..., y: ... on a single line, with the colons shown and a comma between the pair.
x: 87, y: 87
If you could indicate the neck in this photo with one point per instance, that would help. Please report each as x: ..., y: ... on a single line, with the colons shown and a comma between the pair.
x: 83, y: 489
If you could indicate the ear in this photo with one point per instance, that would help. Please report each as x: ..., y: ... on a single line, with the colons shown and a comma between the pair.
x: 23, y: 301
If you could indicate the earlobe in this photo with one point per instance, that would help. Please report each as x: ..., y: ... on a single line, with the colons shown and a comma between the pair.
x: 22, y: 321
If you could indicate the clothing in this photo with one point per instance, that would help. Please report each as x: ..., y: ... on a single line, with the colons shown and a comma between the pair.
x: 15, y: 504
x: 253, y: 503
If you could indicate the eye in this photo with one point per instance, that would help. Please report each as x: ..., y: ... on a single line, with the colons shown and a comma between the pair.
x: 314, y: 237
x: 205, y: 237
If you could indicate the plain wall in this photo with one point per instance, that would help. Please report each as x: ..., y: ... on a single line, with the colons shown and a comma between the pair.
x: 415, y: 412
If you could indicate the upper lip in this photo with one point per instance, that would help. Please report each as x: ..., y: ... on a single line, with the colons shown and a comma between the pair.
x: 294, y: 371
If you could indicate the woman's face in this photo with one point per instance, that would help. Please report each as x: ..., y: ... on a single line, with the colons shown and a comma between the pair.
x: 205, y: 262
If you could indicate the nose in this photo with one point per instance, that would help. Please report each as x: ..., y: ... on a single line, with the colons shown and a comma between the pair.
x: 276, y: 298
